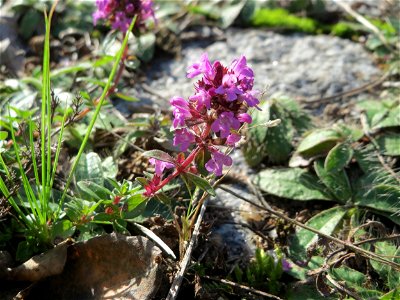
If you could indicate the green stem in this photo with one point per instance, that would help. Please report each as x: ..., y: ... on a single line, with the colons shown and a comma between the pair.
x: 96, y: 113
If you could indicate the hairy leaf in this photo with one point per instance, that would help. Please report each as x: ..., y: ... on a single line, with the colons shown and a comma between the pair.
x: 338, y: 157
x: 291, y: 183
x: 326, y: 222
x: 337, y: 182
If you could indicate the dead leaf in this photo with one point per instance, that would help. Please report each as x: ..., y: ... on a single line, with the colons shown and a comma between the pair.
x: 105, y: 267
x: 40, y: 266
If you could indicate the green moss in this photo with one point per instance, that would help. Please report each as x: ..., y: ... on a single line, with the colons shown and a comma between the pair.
x: 344, y: 29
x: 283, y: 19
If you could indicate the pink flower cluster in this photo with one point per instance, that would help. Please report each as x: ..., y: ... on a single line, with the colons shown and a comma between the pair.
x: 222, y: 98
x: 210, y: 118
x: 119, y: 13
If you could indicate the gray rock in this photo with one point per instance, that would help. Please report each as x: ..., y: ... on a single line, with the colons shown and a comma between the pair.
x: 297, y: 65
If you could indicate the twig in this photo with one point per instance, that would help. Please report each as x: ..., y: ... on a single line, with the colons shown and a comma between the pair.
x: 243, y: 287
x: 380, y: 239
x: 349, y: 93
x: 364, y: 22
x: 176, y: 284
x: 348, y: 245
x: 342, y: 288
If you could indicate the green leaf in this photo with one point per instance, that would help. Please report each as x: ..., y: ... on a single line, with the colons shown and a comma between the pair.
x: 200, y: 182
x: 230, y: 12
x: 62, y: 229
x: 93, y: 190
x: 337, y: 182
x: 325, y: 222
x: 29, y: 23
x: 296, y: 291
x: 391, y: 119
x: 134, y: 201
x: 163, y: 198
x: 279, y: 138
x: 392, y: 295
x: 318, y: 142
x: 389, y: 275
x: 3, y: 135
x: 389, y: 144
x: 378, y: 196
x: 145, y: 46
x: 71, y: 69
x: 355, y: 280
x: 89, y: 168
x: 126, y: 97
x: 160, y: 155
x: 338, y: 157
x: 102, y: 218
x: 291, y: 183
x: 136, y: 206
x: 255, y: 149
x: 367, y: 159
x: 110, y: 167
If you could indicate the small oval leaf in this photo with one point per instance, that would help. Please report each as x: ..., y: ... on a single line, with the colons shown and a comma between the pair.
x: 338, y: 157
x: 318, y: 142
x: 160, y: 155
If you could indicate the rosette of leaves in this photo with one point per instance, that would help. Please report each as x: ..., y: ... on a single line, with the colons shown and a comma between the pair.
x: 352, y: 167
x: 275, y: 144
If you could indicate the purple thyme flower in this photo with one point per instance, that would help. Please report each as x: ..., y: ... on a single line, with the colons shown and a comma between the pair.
x: 224, y: 123
x: 160, y: 165
x: 181, y: 111
x: 119, y: 13
x: 121, y: 22
x: 202, y: 99
x: 217, y: 161
x: 240, y: 68
x: 232, y: 139
x: 184, y: 138
x: 228, y: 87
x: 244, y: 118
x: 202, y: 67
x: 286, y: 266
x: 250, y: 98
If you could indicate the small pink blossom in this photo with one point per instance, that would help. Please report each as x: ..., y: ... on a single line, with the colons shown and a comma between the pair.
x: 181, y: 111
x: 160, y: 165
x: 202, y: 99
x: 225, y: 122
x: 232, y: 139
x: 244, y: 118
x: 229, y: 87
x: 202, y: 67
x: 217, y: 161
x: 250, y: 98
x: 183, y: 138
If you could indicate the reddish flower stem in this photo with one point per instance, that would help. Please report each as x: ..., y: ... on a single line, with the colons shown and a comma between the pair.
x: 120, y: 71
x: 186, y: 163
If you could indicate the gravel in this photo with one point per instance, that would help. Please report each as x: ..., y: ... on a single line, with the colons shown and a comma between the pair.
x: 297, y: 65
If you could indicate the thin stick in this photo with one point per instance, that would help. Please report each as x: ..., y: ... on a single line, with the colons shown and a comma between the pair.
x: 243, y: 287
x: 364, y: 22
x: 176, y: 284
